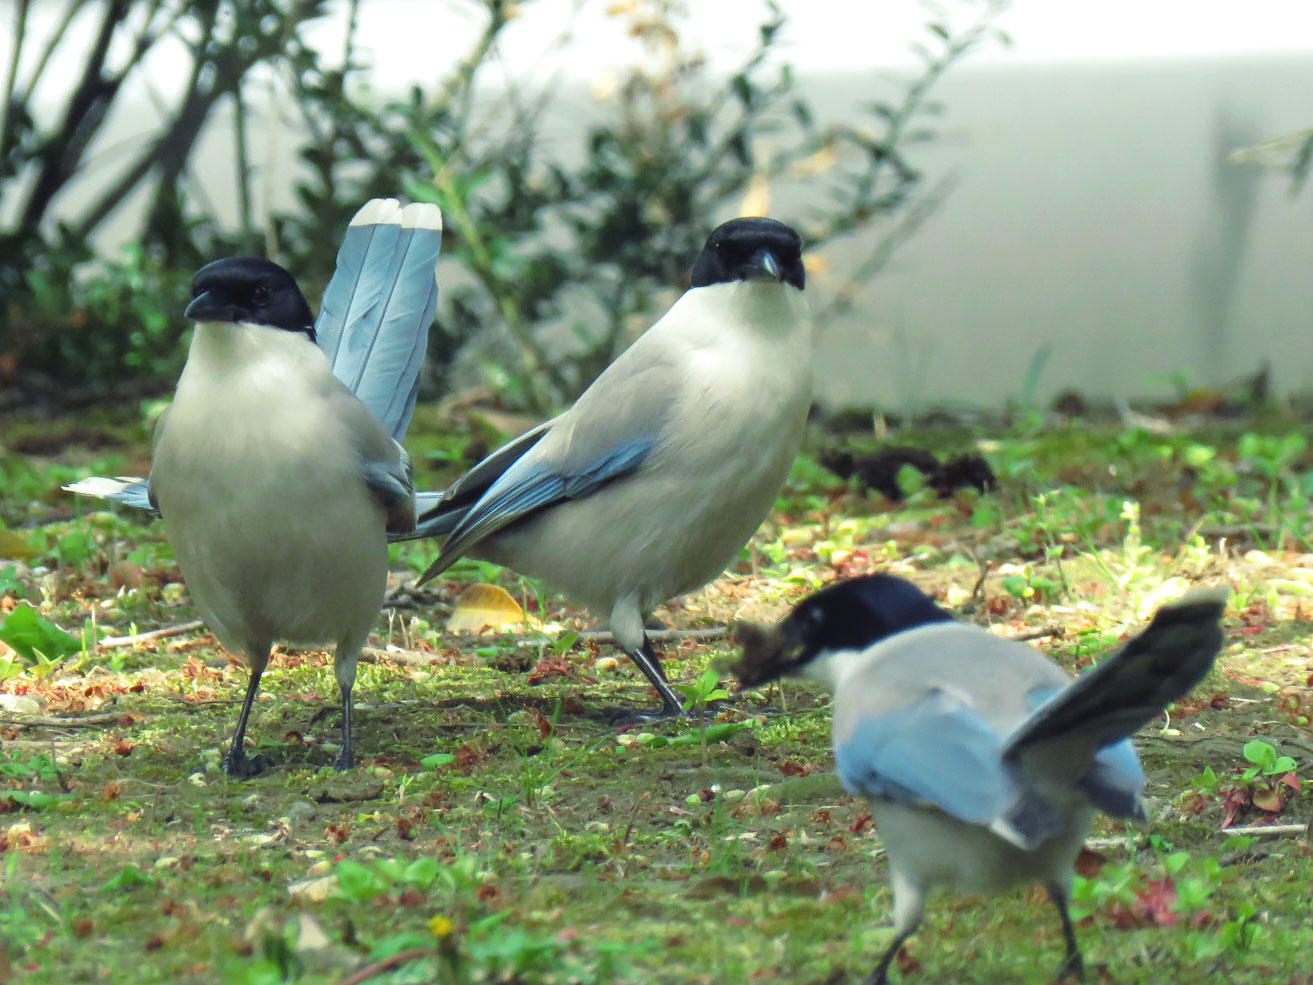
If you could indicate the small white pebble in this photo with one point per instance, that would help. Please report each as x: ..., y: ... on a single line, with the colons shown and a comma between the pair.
x: 20, y: 704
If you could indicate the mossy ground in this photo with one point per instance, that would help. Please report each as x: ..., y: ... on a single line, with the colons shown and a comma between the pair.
x: 544, y: 845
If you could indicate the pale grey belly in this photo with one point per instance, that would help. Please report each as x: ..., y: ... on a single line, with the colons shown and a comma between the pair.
x: 304, y: 564
x: 934, y: 849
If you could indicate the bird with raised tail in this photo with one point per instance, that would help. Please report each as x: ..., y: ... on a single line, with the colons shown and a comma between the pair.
x: 653, y: 481
x: 983, y: 761
x: 277, y: 468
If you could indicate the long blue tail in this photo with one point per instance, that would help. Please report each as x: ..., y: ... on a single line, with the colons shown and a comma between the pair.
x: 374, y: 320
x: 373, y: 323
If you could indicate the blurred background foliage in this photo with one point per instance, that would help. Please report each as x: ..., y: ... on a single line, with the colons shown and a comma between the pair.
x: 555, y: 253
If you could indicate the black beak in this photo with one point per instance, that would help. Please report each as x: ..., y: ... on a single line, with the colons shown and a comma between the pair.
x: 769, y: 652
x: 763, y: 267
x: 205, y: 307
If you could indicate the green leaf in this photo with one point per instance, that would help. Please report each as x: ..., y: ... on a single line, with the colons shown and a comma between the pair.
x: 31, y: 635
x: 422, y: 872
x: 436, y: 760
x: 1282, y: 764
x: 37, y: 799
x: 1260, y: 753
x: 358, y: 882
x: 1176, y: 861
x: 128, y: 877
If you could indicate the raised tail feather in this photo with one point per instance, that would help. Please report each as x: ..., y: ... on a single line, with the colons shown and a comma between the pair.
x: 1126, y: 690
x: 127, y: 490
x: 373, y: 323
x: 374, y: 320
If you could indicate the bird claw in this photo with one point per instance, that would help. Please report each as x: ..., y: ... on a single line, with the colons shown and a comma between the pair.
x: 240, y: 766
x: 1072, y: 970
x: 639, y: 716
x: 625, y: 717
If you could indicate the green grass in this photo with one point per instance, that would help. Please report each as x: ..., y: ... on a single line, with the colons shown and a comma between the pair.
x: 537, y: 844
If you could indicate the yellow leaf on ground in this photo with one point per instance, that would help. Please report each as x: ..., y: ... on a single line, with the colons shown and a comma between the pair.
x: 13, y: 545
x: 482, y: 607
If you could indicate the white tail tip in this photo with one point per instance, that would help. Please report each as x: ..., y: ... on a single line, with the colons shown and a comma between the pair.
x: 101, y: 487
x: 377, y: 211
x: 421, y: 215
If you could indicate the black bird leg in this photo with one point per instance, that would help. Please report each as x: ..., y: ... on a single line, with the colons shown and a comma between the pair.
x: 881, y: 974
x: 646, y: 659
x: 1073, y: 966
x: 236, y: 763
x: 346, y: 759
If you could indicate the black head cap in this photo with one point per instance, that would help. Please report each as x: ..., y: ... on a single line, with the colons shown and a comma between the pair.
x: 249, y: 289
x: 853, y: 614
x: 751, y: 249
x: 848, y: 615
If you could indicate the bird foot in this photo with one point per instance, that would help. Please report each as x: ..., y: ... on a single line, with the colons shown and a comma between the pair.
x: 1072, y: 970
x: 625, y: 717
x: 639, y: 716
x: 240, y: 766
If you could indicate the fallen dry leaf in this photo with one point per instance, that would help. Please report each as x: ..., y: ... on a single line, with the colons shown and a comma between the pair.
x: 482, y: 607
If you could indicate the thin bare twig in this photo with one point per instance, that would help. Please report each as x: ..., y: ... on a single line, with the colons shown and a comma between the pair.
x: 11, y: 76
x: 1269, y: 830
x: 59, y: 721
x: 411, y: 658
x: 110, y: 642
x: 1038, y: 634
x: 655, y: 635
x: 401, y: 957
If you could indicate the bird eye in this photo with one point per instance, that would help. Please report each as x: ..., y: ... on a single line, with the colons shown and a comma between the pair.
x: 262, y: 294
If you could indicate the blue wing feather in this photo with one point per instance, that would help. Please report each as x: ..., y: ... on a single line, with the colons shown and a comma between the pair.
x: 1115, y: 781
x: 529, y: 485
x: 1115, y: 778
x: 936, y: 750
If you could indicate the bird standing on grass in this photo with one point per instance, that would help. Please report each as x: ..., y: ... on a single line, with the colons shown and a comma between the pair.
x: 662, y: 470
x: 982, y: 759
x: 279, y: 481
